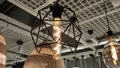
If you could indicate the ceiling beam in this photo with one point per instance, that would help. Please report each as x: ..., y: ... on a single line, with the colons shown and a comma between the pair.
x: 48, y: 2
x: 28, y: 9
x: 10, y: 23
x: 17, y: 3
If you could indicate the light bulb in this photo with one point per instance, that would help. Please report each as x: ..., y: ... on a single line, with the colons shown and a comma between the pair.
x: 114, y: 53
x: 57, y: 38
x: 111, y: 53
x: 113, y: 50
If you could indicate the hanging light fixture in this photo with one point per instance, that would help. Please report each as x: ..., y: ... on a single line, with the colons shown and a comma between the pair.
x: 111, y: 51
x: 43, y: 59
x: 54, y: 25
x: 2, y: 52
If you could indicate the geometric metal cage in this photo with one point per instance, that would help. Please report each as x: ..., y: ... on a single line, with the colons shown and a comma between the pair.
x: 42, y: 26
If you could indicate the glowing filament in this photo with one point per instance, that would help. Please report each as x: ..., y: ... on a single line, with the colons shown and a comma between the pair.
x: 57, y: 37
x: 114, y: 54
x: 2, y: 59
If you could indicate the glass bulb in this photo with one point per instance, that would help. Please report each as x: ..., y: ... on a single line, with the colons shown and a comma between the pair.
x: 114, y: 53
x: 57, y: 38
x: 111, y: 54
x: 2, y: 51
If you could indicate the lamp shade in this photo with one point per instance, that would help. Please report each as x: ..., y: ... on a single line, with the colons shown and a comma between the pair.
x: 2, y: 51
x: 43, y: 60
x: 111, y: 59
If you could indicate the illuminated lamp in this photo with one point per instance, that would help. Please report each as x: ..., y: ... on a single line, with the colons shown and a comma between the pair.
x: 2, y: 52
x: 43, y: 59
x: 111, y: 52
x: 54, y: 25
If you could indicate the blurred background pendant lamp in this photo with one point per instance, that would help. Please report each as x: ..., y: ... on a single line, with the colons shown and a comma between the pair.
x: 111, y: 51
x: 43, y: 59
x: 2, y: 52
x: 54, y: 25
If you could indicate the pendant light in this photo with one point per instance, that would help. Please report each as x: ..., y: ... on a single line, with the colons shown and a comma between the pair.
x: 65, y: 28
x: 2, y: 52
x: 111, y: 51
x: 43, y: 59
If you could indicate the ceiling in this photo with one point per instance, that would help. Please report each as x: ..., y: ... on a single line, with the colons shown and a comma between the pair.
x: 16, y: 18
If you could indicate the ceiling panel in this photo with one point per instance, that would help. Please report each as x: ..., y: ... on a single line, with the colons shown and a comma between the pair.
x: 90, y: 13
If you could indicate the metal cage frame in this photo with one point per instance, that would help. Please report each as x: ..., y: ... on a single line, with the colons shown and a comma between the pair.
x: 41, y: 22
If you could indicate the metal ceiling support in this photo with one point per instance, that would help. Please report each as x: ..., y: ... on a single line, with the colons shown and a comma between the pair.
x: 33, y: 12
x: 13, y: 24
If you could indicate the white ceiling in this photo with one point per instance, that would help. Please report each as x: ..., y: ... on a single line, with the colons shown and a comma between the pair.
x: 90, y: 13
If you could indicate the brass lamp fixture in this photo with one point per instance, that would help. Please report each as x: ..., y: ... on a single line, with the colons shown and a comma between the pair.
x: 43, y: 59
x: 111, y: 51
x: 56, y: 25
x: 2, y: 52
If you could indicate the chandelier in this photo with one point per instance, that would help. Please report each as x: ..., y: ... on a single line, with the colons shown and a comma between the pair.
x: 56, y: 25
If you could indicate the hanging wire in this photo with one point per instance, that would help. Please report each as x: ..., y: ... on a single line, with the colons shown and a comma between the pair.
x: 18, y: 56
x: 108, y: 24
x: 17, y: 59
x: 107, y: 20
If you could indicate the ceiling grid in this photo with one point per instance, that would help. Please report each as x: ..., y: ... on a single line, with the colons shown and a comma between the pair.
x: 90, y: 13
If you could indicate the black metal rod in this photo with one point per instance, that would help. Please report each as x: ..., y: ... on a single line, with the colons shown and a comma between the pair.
x: 48, y: 30
x: 70, y: 10
x: 67, y: 15
x: 73, y: 28
x: 106, y: 15
x: 79, y: 29
x: 37, y: 39
x: 56, y: 20
x: 39, y: 25
x: 39, y: 49
x: 35, y: 22
x: 46, y: 14
x: 65, y: 30
x: 77, y: 25
x: 33, y: 38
